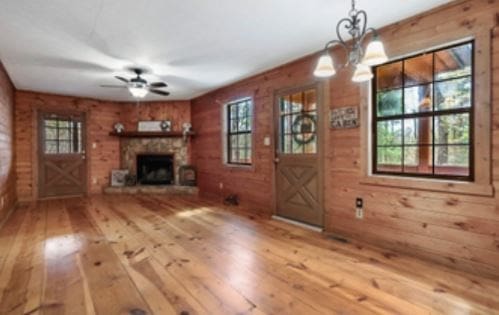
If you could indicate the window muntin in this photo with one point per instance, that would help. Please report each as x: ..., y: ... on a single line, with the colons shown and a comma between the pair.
x: 239, y: 132
x: 422, y: 121
x: 62, y: 136
x: 298, y: 122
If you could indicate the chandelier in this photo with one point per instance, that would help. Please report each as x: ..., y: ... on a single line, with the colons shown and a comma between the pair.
x: 356, y: 25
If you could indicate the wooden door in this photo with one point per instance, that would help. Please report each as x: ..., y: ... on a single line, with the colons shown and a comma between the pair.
x: 61, y: 155
x: 299, y: 183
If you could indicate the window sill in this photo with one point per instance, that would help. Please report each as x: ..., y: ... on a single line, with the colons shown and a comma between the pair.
x: 453, y: 187
x: 239, y: 167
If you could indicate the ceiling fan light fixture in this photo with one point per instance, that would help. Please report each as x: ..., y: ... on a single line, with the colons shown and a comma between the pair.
x: 137, y: 92
x: 375, y: 53
x: 362, y: 73
x: 325, y: 66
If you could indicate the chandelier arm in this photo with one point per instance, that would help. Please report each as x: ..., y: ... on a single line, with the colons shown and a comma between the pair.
x: 340, y: 43
x: 364, y: 14
x: 369, y: 31
x: 348, y: 25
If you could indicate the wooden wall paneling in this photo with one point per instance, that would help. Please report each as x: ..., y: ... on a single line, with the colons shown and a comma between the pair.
x: 101, y: 117
x: 457, y: 230
x: 7, y: 141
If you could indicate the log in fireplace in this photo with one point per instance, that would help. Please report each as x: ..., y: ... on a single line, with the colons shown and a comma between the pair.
x: 155, y: 169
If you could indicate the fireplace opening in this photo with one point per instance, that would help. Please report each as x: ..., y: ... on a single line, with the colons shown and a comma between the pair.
x: 155, y: 169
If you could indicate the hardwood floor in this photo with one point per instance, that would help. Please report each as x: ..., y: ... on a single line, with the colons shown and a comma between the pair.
x: 157, y: 255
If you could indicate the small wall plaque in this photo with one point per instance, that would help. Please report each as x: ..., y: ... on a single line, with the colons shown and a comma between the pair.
x: 345, y: 117
x: 154, y: 125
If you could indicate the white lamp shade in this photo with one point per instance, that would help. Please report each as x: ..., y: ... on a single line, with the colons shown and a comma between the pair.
x: 138, y: 92
x: 325, y: 67
x: 375, y: 54
x: 362, y: 73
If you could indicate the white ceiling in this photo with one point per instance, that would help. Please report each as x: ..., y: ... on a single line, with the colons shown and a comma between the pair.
x: 71, y: 46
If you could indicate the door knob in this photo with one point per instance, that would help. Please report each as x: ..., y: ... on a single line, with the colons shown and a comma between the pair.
x: 276, y: 160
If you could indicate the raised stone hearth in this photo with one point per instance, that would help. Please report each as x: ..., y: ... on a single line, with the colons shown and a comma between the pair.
x: 168, y: 189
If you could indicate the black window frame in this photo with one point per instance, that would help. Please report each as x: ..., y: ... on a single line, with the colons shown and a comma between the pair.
x: 231, y: 133
x: 433, y: 114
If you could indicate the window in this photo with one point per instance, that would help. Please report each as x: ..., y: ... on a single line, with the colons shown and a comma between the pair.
x: 298, y: 122
x: 422, y: 121
x: 62, y: 135
x: 239, y: 126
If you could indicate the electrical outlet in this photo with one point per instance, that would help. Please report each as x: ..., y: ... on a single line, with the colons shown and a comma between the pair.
x: 359, y: 208
x: 94, y: 181
x: 221, y: 185
x: 359, y: 213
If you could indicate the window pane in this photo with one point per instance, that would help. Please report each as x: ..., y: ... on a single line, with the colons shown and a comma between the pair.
x: 418, y: 131
x: 64, y: 134
x: 51, y: 123
x: 311, y: 147
x: 297, y: 147
x: 287, y: 145
x: 233, y: 125
x: 285, y: 105
x: 418, y: 99
x: 453, y: 62
x: 418, y: 159
x: 389, y: 132
x: 50, y: 147
x: 389, y: 76
x: 50, y: 133
x: 452, y: 129
x: 286, y: 123
x: 389, y: 159
x: 64, y: 124
x: 452, y: 160
x: 64, y: 147
x: 296, y: 102
x: 453, y: 94
x: 310, y: 100
x: 418, y: 70
x: 389, y: 103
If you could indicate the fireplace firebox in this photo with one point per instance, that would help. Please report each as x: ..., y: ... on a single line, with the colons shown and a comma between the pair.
x: 155, y: 169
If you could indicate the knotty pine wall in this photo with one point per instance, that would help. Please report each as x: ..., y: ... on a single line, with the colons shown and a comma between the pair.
x: 453, y: 229
x: 7, y: 174
x: 101, y: 116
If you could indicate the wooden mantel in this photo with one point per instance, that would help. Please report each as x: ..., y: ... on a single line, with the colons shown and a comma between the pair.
x: 150, y: 134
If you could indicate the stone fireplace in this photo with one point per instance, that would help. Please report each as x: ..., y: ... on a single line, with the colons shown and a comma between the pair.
x: 155, y: 169
x: 159, y: 152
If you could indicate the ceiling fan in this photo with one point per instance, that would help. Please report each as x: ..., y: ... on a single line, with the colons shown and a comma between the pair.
x: 138, y: 86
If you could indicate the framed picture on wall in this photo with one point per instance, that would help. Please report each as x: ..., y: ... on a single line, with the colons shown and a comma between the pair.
x: 118, y: 178
x: 345, y: 117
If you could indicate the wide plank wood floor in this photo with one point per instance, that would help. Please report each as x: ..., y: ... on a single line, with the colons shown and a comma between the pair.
x: 162, y: 255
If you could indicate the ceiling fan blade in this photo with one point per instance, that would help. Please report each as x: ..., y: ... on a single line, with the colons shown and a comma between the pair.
x: 113, y: 86
x: 121, y: 79
x: 164, y: 93
x: 158, y: 85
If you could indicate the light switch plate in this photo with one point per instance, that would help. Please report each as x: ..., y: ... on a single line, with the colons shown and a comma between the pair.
x: 266, y: 141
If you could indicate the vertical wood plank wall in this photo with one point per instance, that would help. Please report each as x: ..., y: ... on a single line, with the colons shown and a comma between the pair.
x: 101, y: 116
x: 7, y: 173
x: 457, y: 230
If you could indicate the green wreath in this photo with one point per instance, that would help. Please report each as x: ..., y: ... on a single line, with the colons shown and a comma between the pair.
x: 303, y: 128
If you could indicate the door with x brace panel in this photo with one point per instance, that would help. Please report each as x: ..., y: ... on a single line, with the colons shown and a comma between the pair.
x: 298, y: 178
x: 62, y: 161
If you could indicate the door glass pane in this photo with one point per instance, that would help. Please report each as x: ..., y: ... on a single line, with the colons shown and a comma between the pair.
x: 298, y: 128
x: 62, y: 136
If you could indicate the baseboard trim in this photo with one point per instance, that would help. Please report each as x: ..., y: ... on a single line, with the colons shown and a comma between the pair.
x: 300, y: 224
